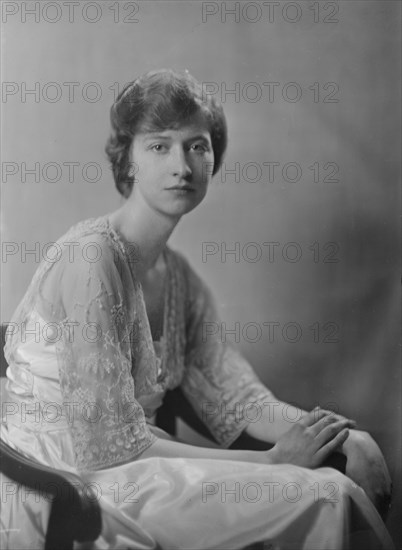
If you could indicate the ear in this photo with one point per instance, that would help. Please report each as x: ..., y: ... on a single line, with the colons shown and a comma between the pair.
x: 132, y: 171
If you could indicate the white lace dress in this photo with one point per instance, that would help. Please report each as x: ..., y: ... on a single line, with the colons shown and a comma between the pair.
x: 85, y: 378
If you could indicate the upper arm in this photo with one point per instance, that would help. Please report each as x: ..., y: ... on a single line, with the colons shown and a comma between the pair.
x: 94, y: 357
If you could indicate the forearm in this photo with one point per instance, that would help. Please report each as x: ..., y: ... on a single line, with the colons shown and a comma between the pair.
x: 173, y: 449
x: 275, y: 420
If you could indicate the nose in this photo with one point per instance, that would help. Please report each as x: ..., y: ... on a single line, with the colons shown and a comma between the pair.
x: 180, y: 165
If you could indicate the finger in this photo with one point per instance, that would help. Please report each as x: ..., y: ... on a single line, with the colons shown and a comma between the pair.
x: 341, y: 417
x: 316, y: 429
x: 312, y: 417
x: 336, y: 415
x: 318, y: 414
x: 321, y: 425
x: 332, y: 445
x: 315, y: 415
x: 322, y: 413
x: 331, y: 430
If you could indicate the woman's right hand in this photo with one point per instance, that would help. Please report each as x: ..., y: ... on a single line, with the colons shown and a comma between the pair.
x: 308, y: 443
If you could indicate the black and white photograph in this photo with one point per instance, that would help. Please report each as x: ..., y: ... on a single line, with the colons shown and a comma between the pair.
x: 200, y: 275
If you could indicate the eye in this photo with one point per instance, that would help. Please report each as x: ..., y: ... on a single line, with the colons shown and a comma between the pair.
x: 199, y: 147
x: 158, y: 147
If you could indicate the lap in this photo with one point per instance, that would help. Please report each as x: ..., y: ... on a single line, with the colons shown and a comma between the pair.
x: 198, y: 503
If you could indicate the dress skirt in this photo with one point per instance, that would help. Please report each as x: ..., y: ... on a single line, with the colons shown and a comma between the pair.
x: 177, y: 503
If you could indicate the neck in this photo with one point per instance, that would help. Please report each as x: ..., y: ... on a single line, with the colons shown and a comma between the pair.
x: 145, y: 229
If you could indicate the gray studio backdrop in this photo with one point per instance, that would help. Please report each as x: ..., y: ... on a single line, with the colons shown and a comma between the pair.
x: 298, y: 234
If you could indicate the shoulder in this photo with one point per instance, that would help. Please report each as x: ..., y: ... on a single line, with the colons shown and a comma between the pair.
x: 90, y: 248
x: 90, y: 230
x: 91, y: 240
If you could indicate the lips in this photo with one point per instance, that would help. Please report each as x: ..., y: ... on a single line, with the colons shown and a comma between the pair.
x: 181, y: 188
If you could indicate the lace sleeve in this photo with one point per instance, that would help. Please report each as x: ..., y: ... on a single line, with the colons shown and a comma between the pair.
x: 94, y: 356
x: 218, y: 381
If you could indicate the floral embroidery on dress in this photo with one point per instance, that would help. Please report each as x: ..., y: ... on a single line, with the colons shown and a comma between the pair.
x: 106, y: 357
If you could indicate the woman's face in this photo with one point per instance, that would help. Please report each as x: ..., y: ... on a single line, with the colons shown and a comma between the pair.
x: 173, y: 167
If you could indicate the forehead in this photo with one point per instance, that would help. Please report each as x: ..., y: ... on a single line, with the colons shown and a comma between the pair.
x: 193, y: 127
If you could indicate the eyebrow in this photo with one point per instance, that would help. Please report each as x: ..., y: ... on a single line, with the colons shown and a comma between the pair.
x: 151, y: 136
x: 201, y: 137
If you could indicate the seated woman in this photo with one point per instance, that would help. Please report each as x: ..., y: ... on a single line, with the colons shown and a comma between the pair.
x: 118, y: 318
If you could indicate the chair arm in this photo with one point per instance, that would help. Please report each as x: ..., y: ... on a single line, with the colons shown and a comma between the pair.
x: 75, y: 512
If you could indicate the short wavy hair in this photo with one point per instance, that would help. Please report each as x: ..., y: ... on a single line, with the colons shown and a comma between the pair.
x: 157, y: 101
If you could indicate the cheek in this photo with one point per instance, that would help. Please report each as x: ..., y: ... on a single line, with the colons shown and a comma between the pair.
x: 147, y: 172
x: 205, y: 167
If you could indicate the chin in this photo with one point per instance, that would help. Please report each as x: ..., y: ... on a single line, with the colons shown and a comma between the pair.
x: 182, y: 207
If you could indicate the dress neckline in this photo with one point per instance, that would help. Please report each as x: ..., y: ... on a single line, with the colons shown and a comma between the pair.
x: 157, y: 347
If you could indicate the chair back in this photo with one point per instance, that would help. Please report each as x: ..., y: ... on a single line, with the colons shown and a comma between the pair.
x: 3, y: 362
